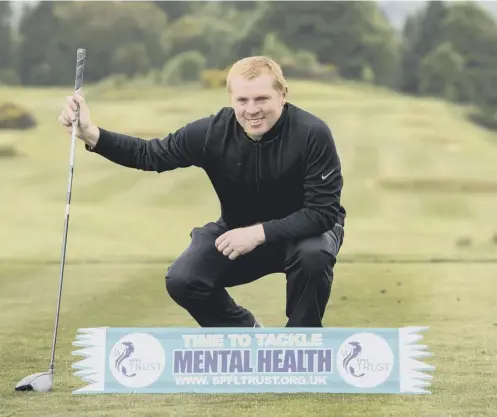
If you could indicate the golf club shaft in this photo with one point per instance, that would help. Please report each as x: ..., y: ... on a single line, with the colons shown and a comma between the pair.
x: 64, y: 240
x: 81, y: 57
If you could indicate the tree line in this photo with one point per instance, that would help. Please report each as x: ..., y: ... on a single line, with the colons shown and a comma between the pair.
x: 446, y: 50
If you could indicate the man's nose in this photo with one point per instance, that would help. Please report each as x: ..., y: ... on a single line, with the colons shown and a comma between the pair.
x: 252, y: 108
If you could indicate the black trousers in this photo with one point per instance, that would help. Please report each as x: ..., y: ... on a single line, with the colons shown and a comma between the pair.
x: 198, y: 279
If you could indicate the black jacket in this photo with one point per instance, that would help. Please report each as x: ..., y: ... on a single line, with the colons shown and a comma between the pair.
x: 290, y: 180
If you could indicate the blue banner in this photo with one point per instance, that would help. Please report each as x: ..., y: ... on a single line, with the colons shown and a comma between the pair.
x: 252, y: 360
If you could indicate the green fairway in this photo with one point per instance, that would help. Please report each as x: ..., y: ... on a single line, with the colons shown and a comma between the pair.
x: 419, y: 188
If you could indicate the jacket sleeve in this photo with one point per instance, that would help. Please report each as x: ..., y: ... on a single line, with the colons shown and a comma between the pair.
x: 180, y: 149
x: 323, y: 183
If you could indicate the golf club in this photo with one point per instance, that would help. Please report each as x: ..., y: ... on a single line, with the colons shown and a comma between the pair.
x: 43, y: 381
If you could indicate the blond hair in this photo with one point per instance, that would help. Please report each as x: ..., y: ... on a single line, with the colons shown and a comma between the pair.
x: 254, y: 66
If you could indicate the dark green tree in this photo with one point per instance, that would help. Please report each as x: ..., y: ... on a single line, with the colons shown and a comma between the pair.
x: 121, y: 37
x: 352, y: 36
x: 6, y: 48
x: 38, y: 45
x: 421, y: 35
x: 441, y: 72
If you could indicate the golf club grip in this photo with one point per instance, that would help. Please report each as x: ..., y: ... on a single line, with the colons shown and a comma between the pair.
x: 80, y: 68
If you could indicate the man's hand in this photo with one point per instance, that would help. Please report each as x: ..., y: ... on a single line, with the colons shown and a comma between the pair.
x: 86, y: 130
x: 240, y: 241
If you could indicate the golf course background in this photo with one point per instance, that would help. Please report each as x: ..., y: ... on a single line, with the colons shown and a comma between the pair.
x: 420, y: 249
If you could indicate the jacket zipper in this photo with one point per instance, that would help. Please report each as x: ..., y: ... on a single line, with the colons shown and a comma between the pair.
x: 258, y: 146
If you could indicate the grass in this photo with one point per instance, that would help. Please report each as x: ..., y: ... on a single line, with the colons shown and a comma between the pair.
x: 126, y: 227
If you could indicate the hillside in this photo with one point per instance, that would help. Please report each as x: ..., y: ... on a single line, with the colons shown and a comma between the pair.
x: 408, y: 163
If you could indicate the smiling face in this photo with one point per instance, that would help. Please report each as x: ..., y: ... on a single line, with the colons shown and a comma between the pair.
x: 257, y: 104
x: 257, y: 92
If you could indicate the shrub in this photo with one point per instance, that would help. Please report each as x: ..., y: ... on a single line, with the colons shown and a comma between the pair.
x: 184, y: 67
x: 7, y: 151
x: 305, y: 66
x: 485, y: 119
x: 296, y: 63
x: 368, y: 74
x: 13, y: 116
x: 130, y: 59
x: 9, y: 77
x: 213, y: 78
x: 113, y: 81
x: 275, y: 48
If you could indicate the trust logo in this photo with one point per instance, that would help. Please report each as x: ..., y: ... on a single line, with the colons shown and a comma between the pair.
x: 137, y: 360
x: 365, y: 360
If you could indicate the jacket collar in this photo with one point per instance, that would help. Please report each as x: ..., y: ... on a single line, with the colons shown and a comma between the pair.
x: 274, y: 131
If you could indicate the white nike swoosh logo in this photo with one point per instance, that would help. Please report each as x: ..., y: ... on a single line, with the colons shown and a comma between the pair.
x: 327, y: 175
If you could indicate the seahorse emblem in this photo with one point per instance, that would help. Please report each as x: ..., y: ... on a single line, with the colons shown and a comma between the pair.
x: 127, y: 352
x: 354, y: 353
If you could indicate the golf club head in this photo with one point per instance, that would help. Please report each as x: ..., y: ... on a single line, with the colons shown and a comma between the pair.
x: 41, y: 382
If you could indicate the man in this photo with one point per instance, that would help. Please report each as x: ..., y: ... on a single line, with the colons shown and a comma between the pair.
x: 278, y: 177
